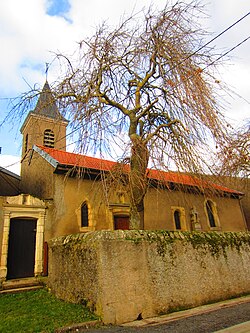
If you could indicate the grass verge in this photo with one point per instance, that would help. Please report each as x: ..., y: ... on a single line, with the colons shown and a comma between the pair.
x: 39, y: 311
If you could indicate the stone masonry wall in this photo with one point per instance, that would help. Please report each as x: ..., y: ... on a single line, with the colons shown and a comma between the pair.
x: 126, y: 274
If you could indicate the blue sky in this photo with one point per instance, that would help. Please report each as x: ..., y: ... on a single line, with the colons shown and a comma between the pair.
x: 58, y: 7
x: 36, y: 28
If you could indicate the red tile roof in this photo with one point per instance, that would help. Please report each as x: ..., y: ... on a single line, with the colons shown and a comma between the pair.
x: 88, y: 162
x: 71, y: 159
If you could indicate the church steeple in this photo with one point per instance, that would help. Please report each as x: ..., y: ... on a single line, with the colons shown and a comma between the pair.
x: 46, y: 105
x: 44, y: 125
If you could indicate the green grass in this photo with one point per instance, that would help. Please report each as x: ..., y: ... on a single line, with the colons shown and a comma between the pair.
x: 39, y: 311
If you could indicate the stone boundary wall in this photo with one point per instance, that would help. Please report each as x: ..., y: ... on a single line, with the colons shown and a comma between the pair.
x: 125, y: 275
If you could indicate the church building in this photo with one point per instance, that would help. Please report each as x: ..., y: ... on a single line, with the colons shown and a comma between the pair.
x: 63, y: 193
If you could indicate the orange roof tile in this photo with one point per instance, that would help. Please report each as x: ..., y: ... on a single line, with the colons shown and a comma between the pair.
x: 88, y: 162
x: 72, y: 159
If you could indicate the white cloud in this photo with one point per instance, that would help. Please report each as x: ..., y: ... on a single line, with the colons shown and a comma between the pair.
x: 237, y: 86
x: 11, y: 163
x: 28, y: 35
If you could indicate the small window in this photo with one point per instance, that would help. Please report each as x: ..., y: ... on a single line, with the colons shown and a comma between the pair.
x: 210, y: 213
x: 179, y: 218
x: 49, y: 138
x: 84, y: 215
x: 26, y: 143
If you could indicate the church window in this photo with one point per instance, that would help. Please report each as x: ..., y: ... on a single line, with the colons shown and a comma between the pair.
x: 49, y: 138
x: 177, y: 220
x: 210, y: 209
x: 84, y: 215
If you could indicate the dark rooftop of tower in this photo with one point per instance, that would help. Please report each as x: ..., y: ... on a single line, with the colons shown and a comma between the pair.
x: 46, y: 106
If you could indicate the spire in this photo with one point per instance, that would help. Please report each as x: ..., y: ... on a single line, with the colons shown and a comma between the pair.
x: 46, y: 108
x: 46, y: 105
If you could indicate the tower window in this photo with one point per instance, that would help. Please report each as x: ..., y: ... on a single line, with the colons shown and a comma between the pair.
x: 49, y: 138
x: 84, y: 215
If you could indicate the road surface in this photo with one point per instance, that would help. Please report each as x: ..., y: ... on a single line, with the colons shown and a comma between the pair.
x: 209, y: 322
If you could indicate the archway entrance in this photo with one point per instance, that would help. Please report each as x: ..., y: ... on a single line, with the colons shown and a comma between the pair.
x: 21, y: 248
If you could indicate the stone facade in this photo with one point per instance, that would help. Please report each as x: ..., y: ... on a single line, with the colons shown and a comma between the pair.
x: 125, y: 275
x: 66, y: 194
x: 66, y: 186
x: 242, y: 185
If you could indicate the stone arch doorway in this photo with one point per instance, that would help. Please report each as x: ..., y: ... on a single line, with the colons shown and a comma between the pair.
x: 21, y: 248
x: 31, y: 213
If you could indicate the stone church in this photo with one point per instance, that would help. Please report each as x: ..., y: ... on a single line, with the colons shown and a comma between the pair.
x: 61, y: 193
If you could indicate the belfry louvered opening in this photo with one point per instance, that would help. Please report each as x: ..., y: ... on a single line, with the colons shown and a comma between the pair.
x: 49, y: 138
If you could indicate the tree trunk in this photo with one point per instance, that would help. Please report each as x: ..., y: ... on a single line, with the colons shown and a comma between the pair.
x: 138, y: 182
x: 136, y: 219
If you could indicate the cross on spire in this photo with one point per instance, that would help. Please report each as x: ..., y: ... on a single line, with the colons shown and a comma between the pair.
x: 46, y: 70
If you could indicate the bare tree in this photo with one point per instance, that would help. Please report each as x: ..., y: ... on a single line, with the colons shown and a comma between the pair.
x: 144, y: 82
x: 235, y: 155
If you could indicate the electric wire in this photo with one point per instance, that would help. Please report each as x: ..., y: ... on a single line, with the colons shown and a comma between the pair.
x: 210, y: 41
x: 210, y: 64
x: 173, y: 67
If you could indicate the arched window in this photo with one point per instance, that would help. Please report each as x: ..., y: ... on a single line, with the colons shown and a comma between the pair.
x: 210, y: 213
x: 177, y: 219
x: 84, y: 215
x: 49, y: 138
x: 26, y: 142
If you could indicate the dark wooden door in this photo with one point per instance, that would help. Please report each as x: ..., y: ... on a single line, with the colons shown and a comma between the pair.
x: 21, y: 250
x: 121, y: 222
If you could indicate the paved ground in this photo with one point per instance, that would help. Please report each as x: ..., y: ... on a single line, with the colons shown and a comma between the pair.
x: 207, y: 319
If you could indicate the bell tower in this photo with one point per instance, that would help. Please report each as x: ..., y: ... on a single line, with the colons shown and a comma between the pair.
x: 44, y: 125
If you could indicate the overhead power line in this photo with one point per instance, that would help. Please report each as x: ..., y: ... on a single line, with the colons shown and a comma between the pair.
x: 192, y: 54
x: 229, y: 51
x: 210, y: 64
x: 209, y: 42
x: 224, y: 31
